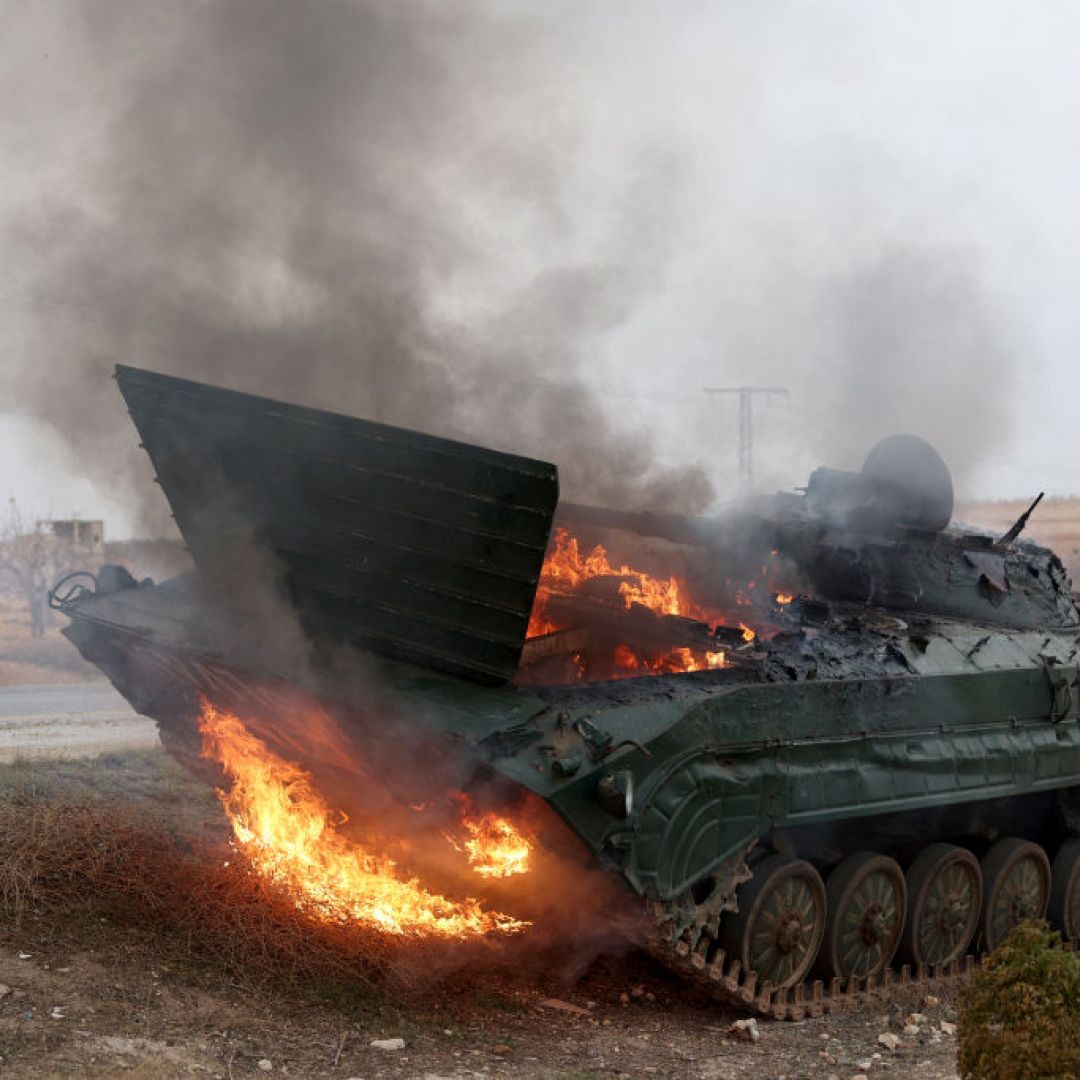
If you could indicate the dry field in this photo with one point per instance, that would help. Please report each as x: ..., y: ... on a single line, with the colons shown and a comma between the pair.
x: 129, y: 947
x: 26, y: 661
x: 132, y: 943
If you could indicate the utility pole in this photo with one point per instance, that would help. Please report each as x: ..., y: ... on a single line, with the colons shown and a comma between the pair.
x: 746, y: 423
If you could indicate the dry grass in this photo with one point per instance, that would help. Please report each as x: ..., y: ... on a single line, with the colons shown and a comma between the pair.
x: 93, y: 862
x: 80, y: 861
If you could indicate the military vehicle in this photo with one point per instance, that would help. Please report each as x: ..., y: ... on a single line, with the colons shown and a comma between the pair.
x: 871, y: 783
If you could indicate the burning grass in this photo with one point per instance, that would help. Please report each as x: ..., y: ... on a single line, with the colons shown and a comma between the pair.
x: 288, y: 834
x: 80, y: 861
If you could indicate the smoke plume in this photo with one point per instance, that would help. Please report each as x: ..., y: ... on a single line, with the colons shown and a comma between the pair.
x: 353, y: 205
x: 541, y: 228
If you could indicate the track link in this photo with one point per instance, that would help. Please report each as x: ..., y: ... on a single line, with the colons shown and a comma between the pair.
x: 701, y: 962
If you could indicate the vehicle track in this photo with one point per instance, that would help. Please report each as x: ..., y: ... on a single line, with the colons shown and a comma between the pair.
x: 704, y: 964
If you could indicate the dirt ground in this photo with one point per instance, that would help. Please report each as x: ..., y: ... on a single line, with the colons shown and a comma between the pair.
x: 93, y: 997
x: 68, y: 1013
x: 86, y: 996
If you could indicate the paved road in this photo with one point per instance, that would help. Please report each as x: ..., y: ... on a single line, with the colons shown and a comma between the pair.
x: 69, y: 719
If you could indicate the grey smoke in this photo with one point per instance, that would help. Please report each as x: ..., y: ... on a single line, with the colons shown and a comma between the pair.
x: 493, y: 220
x: 292, y: 198
x: 906, y: 341
x: 934, y: 354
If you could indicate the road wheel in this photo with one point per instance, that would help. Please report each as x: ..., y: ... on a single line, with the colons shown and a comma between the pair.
x: 867, y: 898
x: 778, y: 928
x: 1064, y: 910
x: 944, y: 886
x: 1016, y: 886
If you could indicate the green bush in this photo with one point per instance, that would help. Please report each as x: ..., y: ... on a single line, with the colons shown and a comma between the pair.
x: 1020, y: 1016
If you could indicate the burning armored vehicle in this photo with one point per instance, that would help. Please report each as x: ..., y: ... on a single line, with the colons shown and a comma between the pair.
x: 840, y: 747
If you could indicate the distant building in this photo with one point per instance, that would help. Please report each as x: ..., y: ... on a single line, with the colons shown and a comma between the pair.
x: 83, y: 536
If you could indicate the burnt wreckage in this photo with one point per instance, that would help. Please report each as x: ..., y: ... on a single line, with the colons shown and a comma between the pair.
x: 875, y: 788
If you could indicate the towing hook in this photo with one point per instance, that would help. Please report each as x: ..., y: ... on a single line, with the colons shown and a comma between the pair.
x: 71, y: 588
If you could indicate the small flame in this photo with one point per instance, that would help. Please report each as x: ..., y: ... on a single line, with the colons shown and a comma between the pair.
x: 784, y: 598
x: 290, y: 836
x: 747, y: 633
x: 681, y: 659
x: 495, y: 847
x: 674, y: 662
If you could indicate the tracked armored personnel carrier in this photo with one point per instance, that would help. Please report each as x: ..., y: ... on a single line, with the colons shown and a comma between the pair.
x: 860, y: 766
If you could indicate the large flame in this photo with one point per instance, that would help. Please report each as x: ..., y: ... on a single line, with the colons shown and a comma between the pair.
x: 290, y: 835
x: 566, y: 569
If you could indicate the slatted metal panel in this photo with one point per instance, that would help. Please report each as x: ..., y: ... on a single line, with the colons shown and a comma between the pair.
x: 416, y: 547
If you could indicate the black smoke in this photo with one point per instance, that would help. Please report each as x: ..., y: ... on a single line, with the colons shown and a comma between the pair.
x: 356, y: 205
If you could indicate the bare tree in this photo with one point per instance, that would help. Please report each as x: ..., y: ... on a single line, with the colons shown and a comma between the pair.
x: 31, y: 558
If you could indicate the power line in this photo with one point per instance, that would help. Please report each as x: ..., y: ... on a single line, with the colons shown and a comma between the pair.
x: 746, y: 396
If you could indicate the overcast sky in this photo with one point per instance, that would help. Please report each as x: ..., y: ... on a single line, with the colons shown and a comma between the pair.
x: 873, y: 205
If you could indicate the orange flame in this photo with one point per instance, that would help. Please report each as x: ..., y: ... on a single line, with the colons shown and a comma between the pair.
x: 565, y: 569
x: 747, y: 633
x: 783, y: 598
x: 495, y: 847
x: 678, y: 660
x: 289, y: 835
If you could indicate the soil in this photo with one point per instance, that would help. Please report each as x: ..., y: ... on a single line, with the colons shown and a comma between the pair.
x: 89, y: 1013
x: 83, y: 996
x: 80, y: 995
